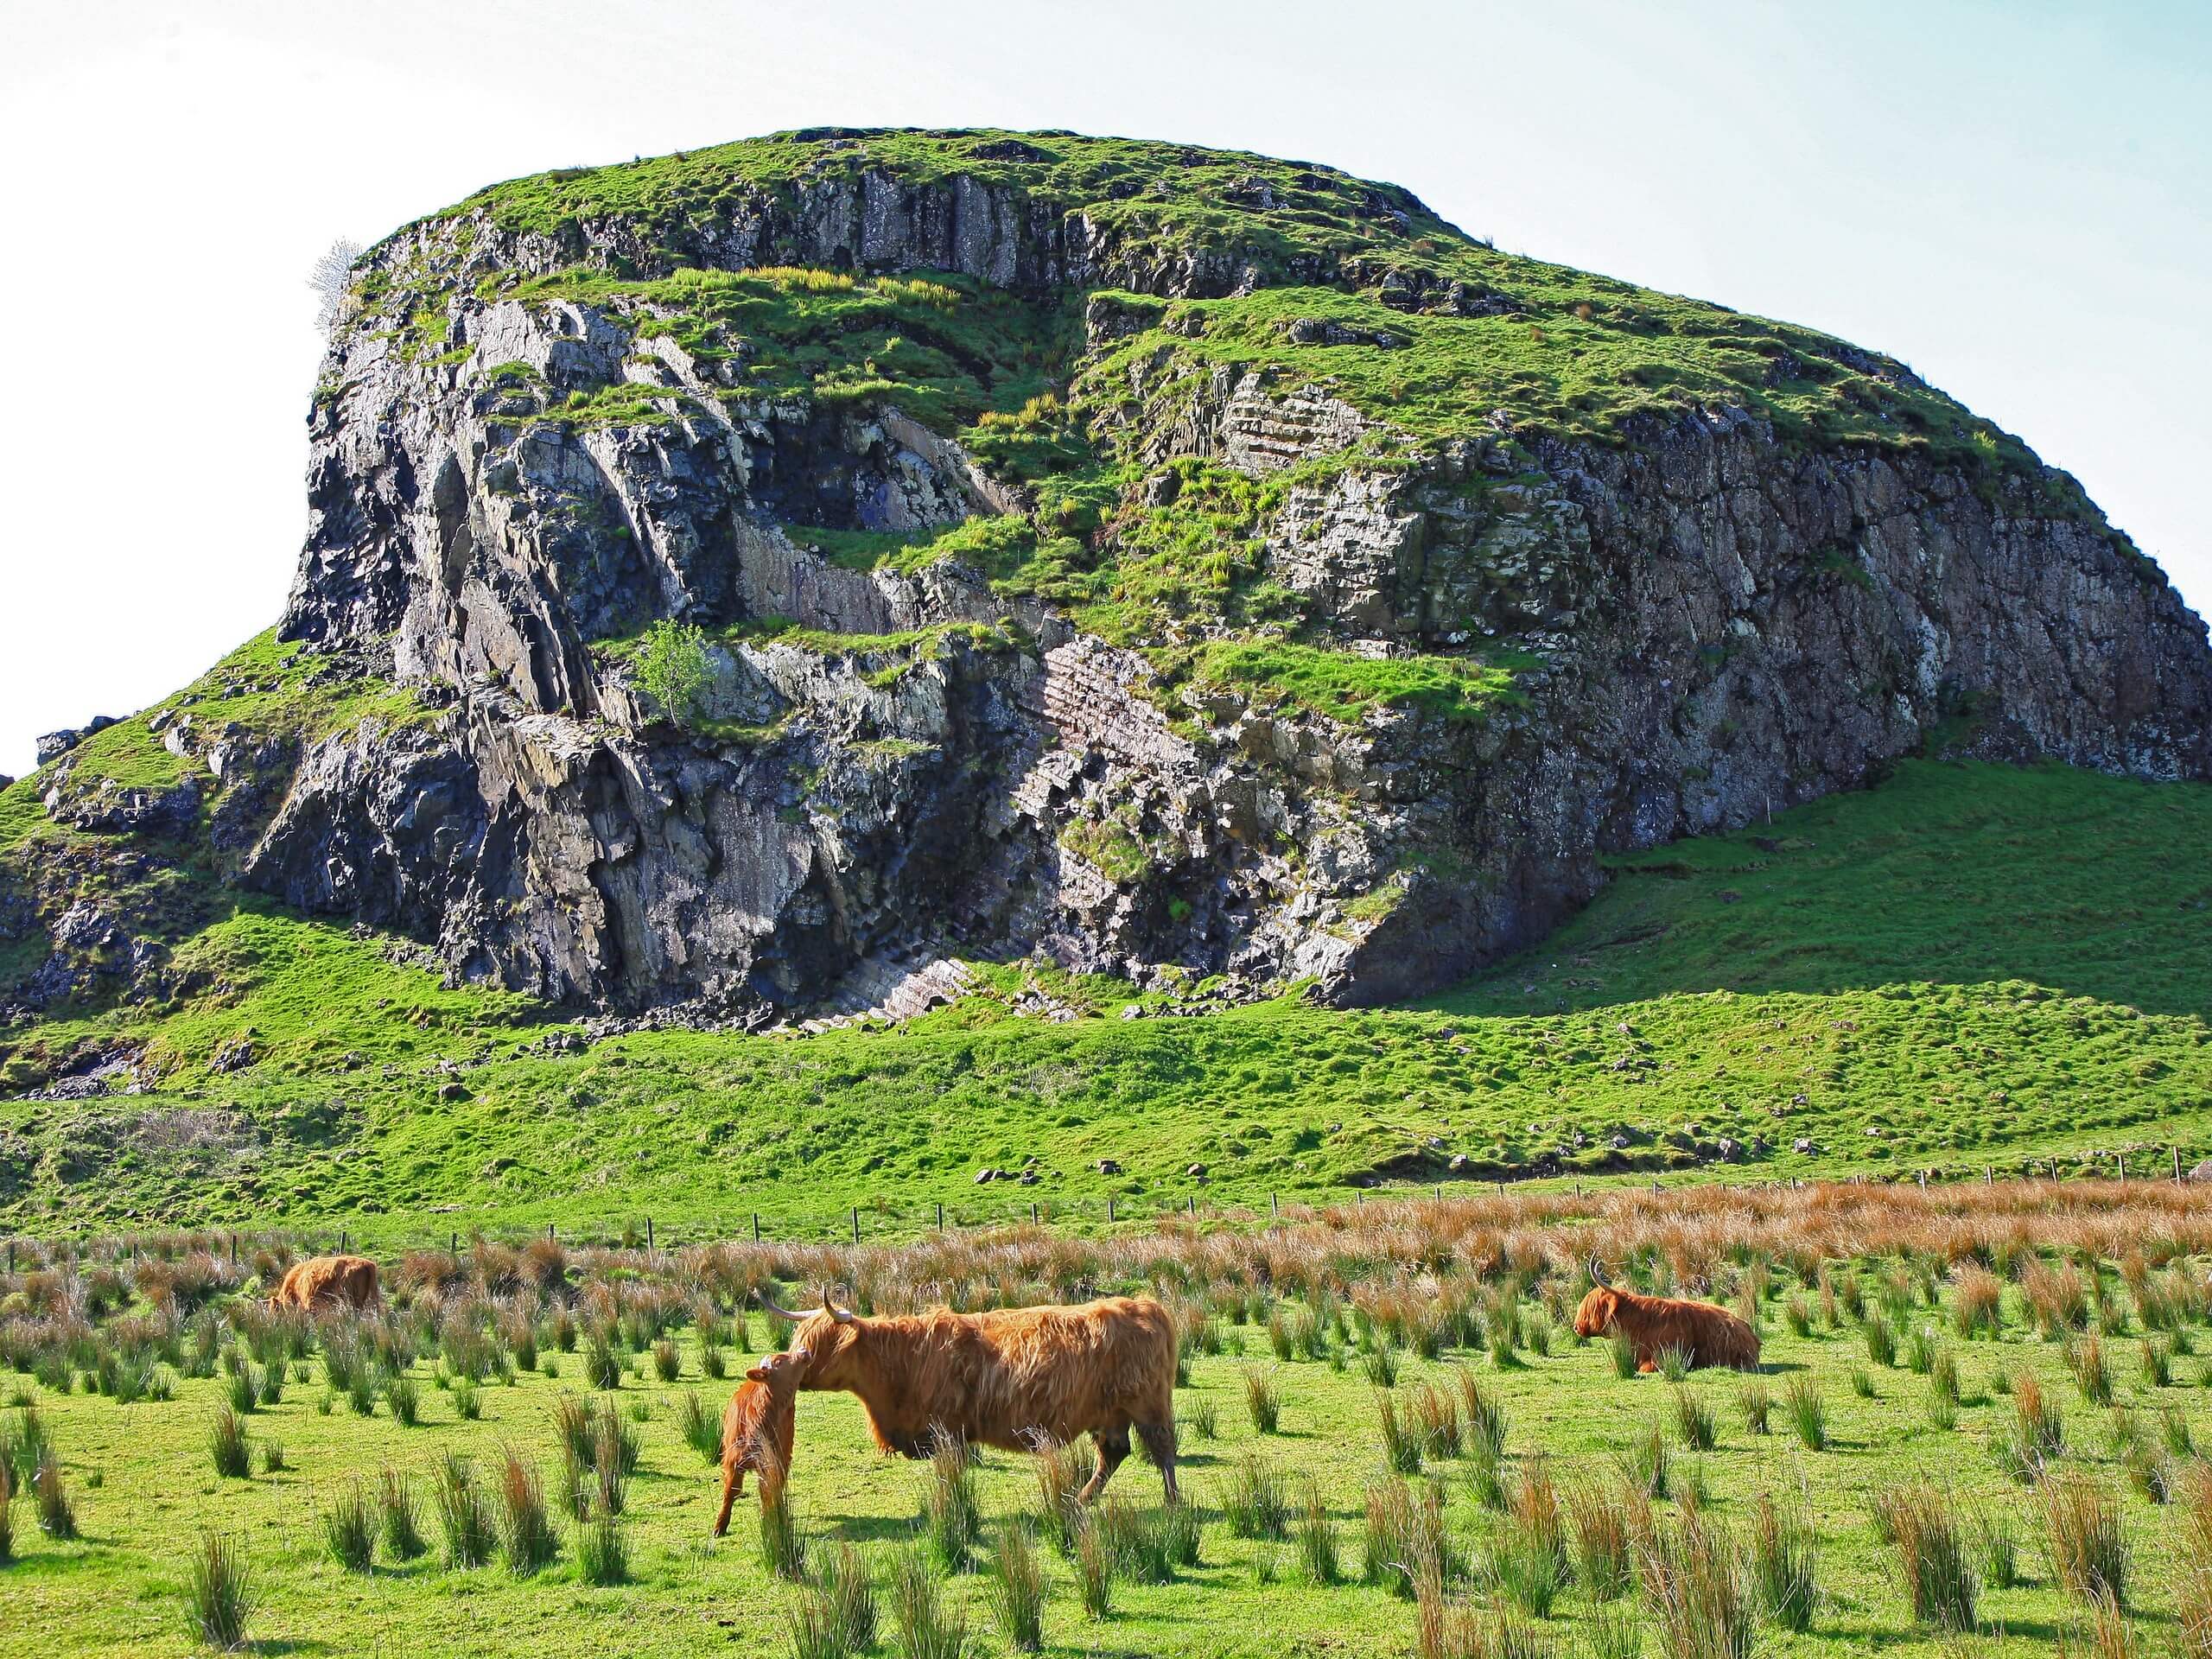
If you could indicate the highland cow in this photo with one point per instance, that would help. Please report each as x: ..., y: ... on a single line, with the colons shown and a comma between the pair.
x: 1015, y: 1378
x: 327, y: 1282
x: 757, y: 1431
x: 1703, y: 1334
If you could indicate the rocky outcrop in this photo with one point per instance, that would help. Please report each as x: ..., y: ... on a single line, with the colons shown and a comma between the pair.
x: 891, y: 767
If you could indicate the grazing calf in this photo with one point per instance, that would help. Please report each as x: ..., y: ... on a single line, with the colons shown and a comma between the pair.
x: 757, y: 1431
x: 326, y: 1281
x: 1706, y: 1334
x: 1012, y: 1378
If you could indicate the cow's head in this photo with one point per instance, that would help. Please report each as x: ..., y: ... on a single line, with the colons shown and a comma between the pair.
x: 781, y: 1373
x: 1599, y: 1308
x: 827, y: 1347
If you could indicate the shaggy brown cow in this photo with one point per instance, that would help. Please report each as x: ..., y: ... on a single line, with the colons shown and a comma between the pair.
x: 1706, y: 1334
x: 757, y: 1431
x: 323, y: 1281
x: 1014, y: 1377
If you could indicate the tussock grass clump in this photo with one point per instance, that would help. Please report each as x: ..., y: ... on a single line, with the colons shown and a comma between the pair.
x: 1931, y: 1545
x: 1698, y: 1590
x: 7, y: 1513
x: 927, y: 1629
x: 1808, y: 1411
x: 1316, y: 1539
x: 1401, y: 1447
x: 1094, y: 1570
x: 1997, y: 1550
x: 1757, y: 1404
x: 1881, y: 1341
x: 602, y: 1365
x: 2085, y: 1536
x: 467, y: 1399
x: 227, y: 1447
x: 1435, y: 1417
x: 2158, y: 1362
x: 403, y: 1398
x: 1262, y: 1400
x: 668, y: 1364
x: 952, y: 1516
x: 1253, y: 1504
x: 837, y: 1617
x: 219, y: 1596
x: 2038, y: 1422
x: 1386, y: 1555
x: 464, y: 1513
x: 1797, y: 1316
x: 699, y: 1428
x: 349, y: 1527
x: 1977, y: 1306
x: 1620, y: 1354
x: 1058, y: 1473
x: 1597, y: 1519
x: 2085, y: 1358
x: 1203, y: 1417
x: 402, y: 1528
x: 1694, y: 1420
x: 1673, y: 1363
x: 602, y: 1548
x: 783, y: 1551
x: 1784, y: 1565
x: 1016, y: 1589
x: 1139, y: 1541
x: 1649, y: 1464
x: 1485, y: 1417
x: 527, y: 1539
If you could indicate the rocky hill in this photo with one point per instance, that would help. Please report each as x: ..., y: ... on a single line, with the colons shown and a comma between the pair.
x: 761, y: 583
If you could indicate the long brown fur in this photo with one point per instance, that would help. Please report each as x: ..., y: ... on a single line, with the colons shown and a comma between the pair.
x: 757, y: 1427
x: 1012, y: 1378
x: 323, y: 1281
x: 1707, y: 1334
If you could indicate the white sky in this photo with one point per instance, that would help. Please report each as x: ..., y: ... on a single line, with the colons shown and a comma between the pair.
x: 2016, y: 198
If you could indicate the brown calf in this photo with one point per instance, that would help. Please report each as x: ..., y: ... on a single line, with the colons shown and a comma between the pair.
x: 757, y: 1431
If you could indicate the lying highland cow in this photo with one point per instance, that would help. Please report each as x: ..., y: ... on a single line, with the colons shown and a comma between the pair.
x: 1014, y: 1377
x: 322, y: 1282
x: 1704, y: 1334
x: 757, y: 1431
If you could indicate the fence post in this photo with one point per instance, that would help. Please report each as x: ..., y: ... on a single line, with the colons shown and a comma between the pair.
x: 2176, y: 1166
x: 11, y: 1258
x: 2121, y: 1160
x: 345, y: 1241
x: 940, y: 1214
x: 649, y: 1232
x: 1988, y: 1175
x: 856, y: 1223
x: 1109, y: 1206
x: 549, y: 1230
x: 453, y: 1245
x: 1032, y: 1211
x: 1194, y: 1206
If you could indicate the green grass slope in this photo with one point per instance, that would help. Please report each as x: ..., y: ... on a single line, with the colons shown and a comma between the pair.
x: 1969, y: 965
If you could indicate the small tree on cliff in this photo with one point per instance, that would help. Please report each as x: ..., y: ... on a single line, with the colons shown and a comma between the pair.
x: 329, y: 276
x: 670, y: 667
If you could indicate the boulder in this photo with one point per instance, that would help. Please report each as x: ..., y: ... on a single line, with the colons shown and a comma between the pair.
x: 55, y: 745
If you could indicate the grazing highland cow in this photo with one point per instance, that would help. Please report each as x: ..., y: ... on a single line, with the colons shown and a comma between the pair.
x: 326, y: 1281
x: 1014, y: 1378
x: 1704, y: 1334
x: 757, y: 1431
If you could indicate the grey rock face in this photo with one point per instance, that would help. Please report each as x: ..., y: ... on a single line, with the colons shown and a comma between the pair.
x: 1711, y: 623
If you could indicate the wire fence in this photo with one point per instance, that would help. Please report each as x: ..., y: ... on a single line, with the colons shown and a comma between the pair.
x: 885, y: 1221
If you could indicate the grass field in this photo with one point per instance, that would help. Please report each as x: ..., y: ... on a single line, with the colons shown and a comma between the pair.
x: 1934, y: 973
x: 145, y: 1489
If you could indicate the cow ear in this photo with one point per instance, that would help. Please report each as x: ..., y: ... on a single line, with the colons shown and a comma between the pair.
x: 759, y: 1374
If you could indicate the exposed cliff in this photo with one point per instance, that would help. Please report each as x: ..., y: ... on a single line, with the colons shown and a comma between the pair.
x: 1180, y: 562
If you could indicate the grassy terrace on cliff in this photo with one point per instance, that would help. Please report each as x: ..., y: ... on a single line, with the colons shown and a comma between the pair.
x: 1941, y: 968
x: 1559, y: 350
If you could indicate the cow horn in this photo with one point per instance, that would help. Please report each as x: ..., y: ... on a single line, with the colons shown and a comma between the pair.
x: 1597, y: 1276
x: 780, y: 1312
x: 842, y: 1316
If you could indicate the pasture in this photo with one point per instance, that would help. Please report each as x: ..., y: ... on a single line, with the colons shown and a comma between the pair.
x: 1983, y: 1395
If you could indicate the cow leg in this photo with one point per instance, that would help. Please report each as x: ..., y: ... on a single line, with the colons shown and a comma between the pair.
x: 1160, y: 1443
x: 733, y: 1483
x: 1113, y: 1446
